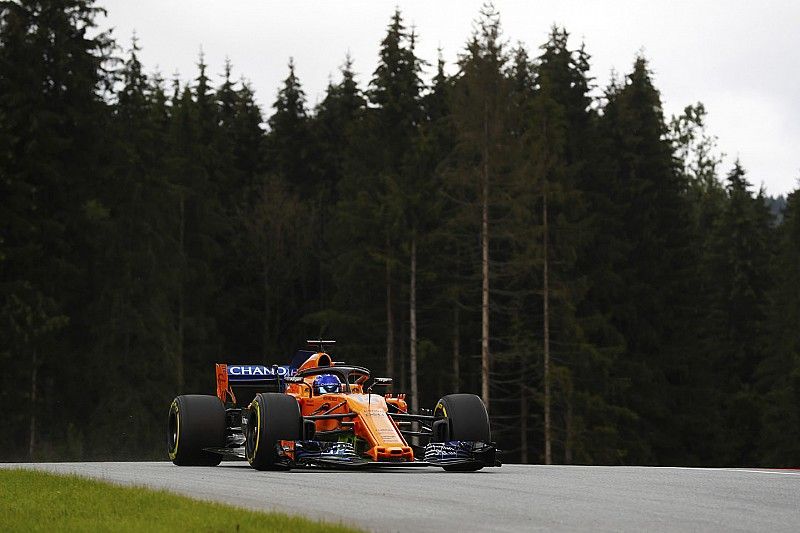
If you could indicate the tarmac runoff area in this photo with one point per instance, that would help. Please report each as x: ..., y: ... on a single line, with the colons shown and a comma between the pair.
x: 510, y: 498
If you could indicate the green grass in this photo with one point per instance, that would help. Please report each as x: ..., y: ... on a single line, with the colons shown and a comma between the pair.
x: 38, y: 501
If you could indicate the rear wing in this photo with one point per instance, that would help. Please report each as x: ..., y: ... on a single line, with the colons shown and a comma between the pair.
x: 240, y: 383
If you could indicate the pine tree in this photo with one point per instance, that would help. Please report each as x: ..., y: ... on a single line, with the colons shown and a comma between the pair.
x: 550, y: 229
x: 136, y: 266
x: 739, y: 260
x: 276, y: 227
x: 481, y: 125
x: 52, y: 118
x: 231, y: 178
x: 395, y: 91
x: 553, y: 170
x: 336, y: 130
x: 396, y: 87
x: 523, y: 277
x: 248, y: 135
x: 335, y: 125
x: 699, y: 399
x: 288, y: 138
x: 442, y: 279
x: 241, y: 140
x: 650, y: 221
x: 372, y: 207
x: 778, y: 374
x: 289, y: 159
x: 198, y: 231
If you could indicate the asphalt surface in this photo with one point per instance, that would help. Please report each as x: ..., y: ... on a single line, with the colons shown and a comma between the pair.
x: 510, y: 498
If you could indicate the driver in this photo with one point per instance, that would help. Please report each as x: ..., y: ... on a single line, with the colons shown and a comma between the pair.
x: 326, y: 383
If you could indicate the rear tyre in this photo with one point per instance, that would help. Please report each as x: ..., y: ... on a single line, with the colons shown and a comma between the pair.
x: 273, y: 417
x: 467, y: 419
x: 196, y: 421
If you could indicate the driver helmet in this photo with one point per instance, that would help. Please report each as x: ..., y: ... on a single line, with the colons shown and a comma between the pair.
x: 326, y: 383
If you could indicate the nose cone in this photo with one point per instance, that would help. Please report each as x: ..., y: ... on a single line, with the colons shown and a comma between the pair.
x: 386, y: 441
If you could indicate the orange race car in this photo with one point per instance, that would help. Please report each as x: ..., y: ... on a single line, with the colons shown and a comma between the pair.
x: 316, y: 412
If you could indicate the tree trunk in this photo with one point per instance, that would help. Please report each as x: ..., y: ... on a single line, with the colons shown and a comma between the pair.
x: 32, y: 436
x: 267, y: 315
x: 412, y: 314
x: 523, y: 403
x: 456, y: 350
x: 548, y: 458
x: 523, y: 418
x: 485, y: 362
x: 320, y: 247
x: 401, y: 353
x: 184, y: 262
x: 569, y: 429
x: 389, y: 314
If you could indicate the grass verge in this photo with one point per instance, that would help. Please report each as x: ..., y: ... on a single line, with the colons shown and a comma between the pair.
x: 38, y: 501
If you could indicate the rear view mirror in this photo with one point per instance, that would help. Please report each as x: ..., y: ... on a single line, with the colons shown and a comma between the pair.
x: 379, y: 382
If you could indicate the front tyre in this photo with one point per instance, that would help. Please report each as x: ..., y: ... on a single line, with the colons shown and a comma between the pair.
x: 196, y: 422
x: 467, y: 420
x: 272, y: 417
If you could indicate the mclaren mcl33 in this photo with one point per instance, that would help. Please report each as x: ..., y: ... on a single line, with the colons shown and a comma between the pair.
x: 316, y: 412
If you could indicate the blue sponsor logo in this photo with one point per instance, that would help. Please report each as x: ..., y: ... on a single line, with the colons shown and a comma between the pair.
x: 259, y: 371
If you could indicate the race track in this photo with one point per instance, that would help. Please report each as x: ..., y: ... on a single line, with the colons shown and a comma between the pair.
x: 511, y: 498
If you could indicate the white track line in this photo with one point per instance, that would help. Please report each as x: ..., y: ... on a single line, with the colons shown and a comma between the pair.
x: 787, y: 472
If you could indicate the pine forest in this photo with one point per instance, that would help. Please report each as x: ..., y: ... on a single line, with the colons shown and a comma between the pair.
x: 502, y: 226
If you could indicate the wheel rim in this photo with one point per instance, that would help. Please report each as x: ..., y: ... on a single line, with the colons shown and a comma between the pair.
x: 173, y: 433
x: 251, y: 434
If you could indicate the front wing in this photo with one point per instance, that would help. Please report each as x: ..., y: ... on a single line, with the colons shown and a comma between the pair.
x: 327, y: 454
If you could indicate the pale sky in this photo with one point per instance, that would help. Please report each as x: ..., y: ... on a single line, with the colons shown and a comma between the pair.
x: 741, y: 58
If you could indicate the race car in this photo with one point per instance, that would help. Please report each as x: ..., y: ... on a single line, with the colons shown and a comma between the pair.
x: 316, y: 412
